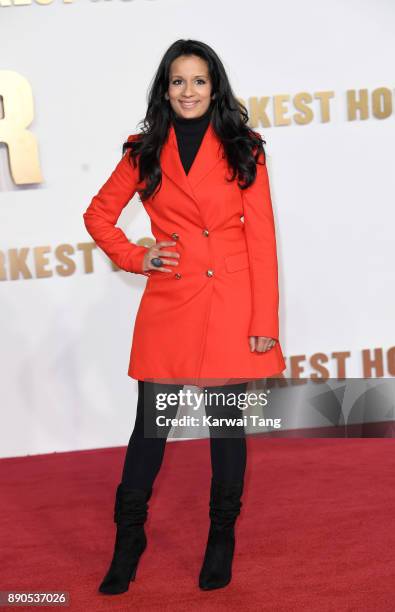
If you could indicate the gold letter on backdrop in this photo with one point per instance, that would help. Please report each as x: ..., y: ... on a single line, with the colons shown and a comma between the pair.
x: 357, y: 105
x: 18, y: 107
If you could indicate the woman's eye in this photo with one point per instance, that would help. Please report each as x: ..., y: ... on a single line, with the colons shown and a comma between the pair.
x: 176, y: 81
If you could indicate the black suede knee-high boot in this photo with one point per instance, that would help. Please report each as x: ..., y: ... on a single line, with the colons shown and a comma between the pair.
x: 225, y: 505
x: 130, y: 514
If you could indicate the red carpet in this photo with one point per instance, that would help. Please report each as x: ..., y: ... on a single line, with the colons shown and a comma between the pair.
x: 317, y: 529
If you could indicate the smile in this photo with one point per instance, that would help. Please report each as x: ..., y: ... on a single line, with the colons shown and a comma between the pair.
x: 188, y: 104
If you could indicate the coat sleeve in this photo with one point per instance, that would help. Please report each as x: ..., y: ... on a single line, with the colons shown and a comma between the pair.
x: 261, y: 244
x: 104, y: 210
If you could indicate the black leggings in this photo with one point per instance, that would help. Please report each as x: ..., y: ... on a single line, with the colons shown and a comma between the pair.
x: 144, y: 454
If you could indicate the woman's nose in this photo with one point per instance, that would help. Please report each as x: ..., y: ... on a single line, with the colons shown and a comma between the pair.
x: 188, y: 88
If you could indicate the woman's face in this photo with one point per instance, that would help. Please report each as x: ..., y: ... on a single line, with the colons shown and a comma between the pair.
x: 189, y: 86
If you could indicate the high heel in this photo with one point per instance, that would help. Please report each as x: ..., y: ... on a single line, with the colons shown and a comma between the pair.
x: 130, y: 514
x: 225, y: 505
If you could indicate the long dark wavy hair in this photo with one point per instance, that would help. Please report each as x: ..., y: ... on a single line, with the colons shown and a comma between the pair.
x: 242, y: 146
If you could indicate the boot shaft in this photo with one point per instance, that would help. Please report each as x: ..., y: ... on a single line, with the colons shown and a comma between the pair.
x: 225, y: 503
x: 131, y: 506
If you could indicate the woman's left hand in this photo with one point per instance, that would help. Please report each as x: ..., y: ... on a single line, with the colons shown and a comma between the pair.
x: 261, y: 344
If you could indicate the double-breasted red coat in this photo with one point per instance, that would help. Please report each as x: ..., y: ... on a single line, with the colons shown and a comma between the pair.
x: 192, y: 325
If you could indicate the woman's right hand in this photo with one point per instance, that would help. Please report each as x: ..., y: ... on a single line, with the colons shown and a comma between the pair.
x: 155, y: 251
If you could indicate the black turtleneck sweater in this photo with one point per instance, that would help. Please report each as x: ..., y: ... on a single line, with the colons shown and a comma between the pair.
x: 189, y: 133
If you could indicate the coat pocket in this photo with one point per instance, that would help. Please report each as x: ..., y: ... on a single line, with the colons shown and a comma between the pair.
x: 155, y: 275
x: 237, y: 261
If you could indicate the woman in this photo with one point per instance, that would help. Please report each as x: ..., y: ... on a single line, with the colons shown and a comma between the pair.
x: 209, y: 312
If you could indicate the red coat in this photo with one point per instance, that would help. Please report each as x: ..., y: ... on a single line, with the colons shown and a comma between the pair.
x: 193, y: 324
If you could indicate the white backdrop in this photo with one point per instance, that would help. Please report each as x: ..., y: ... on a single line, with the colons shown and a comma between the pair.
x: 66, y: 332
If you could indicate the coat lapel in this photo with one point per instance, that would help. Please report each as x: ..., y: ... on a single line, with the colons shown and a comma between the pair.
x: 209, y: 154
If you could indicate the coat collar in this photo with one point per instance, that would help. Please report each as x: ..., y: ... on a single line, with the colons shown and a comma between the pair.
x: 209, y: 154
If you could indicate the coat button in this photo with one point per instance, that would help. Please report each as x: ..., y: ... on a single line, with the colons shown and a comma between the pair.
x: 205, y: 232
x: 175, y: 236
x: 177, y: 275
x: 210, y: 272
